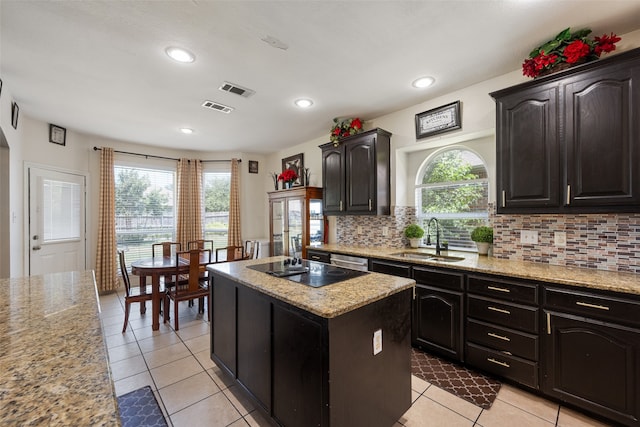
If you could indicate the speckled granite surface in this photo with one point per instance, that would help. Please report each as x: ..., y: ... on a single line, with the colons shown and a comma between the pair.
x: 573, y: 276
x: 328, y: 301
x: 54, y: 369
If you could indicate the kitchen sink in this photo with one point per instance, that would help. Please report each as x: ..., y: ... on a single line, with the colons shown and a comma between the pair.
x: 428, y: 257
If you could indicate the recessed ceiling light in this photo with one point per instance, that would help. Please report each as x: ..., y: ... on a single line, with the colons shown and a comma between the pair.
x: 186, y: 130
x: 179, y: 54
x: 303, y: 103
x: 423, y: 82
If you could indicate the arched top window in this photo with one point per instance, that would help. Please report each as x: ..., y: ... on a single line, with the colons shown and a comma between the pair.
x: 453, y: 187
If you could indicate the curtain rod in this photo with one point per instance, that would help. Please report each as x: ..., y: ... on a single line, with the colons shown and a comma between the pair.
x: 160, y: 157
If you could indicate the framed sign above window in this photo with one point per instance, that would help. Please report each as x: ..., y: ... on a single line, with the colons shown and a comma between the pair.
x: 57, y: 134
x: 253, y: 166
x: 439, y: 120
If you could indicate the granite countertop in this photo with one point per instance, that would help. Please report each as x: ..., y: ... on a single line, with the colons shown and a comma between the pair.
x: 53, y: 359
x: 572, y: 276
x: 328, y: 301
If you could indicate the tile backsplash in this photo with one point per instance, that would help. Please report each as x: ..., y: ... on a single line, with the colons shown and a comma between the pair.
x: 599, y: 241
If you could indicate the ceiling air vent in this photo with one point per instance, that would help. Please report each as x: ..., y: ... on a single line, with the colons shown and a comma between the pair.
x: 237, y: 89
x: 217, y: 106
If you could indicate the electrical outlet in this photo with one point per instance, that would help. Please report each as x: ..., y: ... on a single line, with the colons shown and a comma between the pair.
x: 377, y: 342
x: 359, y: 229
x: 560, y: 238
x: 529, y: 237
x: 385, y: 231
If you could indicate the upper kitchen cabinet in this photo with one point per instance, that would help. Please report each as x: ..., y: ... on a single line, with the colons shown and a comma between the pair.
x: 568, y: 142
x: 356, y: 175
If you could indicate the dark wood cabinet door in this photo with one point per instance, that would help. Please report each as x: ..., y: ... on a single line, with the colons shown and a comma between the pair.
x: 603, y: 137
x: 360, y: 168
x: 437, y: 321
x: 223, y: 310
x: 333, y: 180
x: 527, y: 149
x: 297, y: 368
x: 390, y: 267
x: 254, y: 345
x: 594, y: 365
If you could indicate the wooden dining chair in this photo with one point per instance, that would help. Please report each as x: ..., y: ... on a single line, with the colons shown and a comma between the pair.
x: 234, y: 253
x: 201, y: 244
x: 131, y: 294
x: 251, y: 249
x: 166, y: 249
x: 196, y: 286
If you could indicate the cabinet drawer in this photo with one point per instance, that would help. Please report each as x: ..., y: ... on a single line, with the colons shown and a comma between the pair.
x: 438, y: 278
x: 504, y: 290
x: 392, y: 268
x: 521, y: 317
x: 503, y: 339
x: 319, y: 256
x: 620, y: 310
x: 512, y: 367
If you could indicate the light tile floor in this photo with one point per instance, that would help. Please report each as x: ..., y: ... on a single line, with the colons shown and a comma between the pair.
x: 192, y: 391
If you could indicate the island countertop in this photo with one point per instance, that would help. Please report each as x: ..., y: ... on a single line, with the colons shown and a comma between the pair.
x: 53, y: 359
x: 572, y: 276
x: 328, y: 301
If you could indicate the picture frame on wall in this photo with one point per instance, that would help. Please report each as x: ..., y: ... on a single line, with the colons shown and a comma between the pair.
x: 438, y: 120
x: 15, y: 112
x: 296, y: 163
x: 253, y: 166
x: 57, y: 134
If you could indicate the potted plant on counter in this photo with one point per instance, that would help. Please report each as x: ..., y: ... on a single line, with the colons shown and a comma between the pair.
x: 483, y: 236
x: 414, y: 233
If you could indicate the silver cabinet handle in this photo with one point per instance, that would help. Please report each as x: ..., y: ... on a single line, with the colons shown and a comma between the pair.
x: 500, y: 337
x: 369, y: 204
x: 340, y: 205
x: 497, y: 362
x: 548, y: 323
x: 494, y: 288
x: 586, y: 304
x: 568, y: 194
x: 499, y: 310
x: 504, y: 199
x: 315, y: 257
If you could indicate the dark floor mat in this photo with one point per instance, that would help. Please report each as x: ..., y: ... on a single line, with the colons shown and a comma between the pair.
x: 140, y: 408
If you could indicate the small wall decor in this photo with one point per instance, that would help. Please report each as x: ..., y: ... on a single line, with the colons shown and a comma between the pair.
x: 15, y: 111
x: 253, y: 166
x: 57, y: 134
x: 439, y: 120
x: 295, y: 163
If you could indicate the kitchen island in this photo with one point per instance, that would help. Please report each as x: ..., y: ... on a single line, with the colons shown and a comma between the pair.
x: 53, y: 359
x: 337, y: 355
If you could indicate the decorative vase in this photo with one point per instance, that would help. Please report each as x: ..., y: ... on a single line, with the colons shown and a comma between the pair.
x: 415, y: 242
x: 287, y: 185
x: 483, y: 248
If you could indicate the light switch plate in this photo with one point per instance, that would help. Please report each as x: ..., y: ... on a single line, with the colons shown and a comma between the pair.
x: 377, y: 342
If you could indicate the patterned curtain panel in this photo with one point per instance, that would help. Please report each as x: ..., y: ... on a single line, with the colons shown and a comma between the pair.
x: 235, y: 233
x: 189, y: 210
x: 106, y: 266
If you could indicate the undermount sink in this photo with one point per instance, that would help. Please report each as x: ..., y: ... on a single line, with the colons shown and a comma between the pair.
x: 428, y: 257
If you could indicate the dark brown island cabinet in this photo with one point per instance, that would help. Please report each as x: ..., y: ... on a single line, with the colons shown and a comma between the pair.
x: 306, y: 370
x: 570, y: 142
x: 356, y: 174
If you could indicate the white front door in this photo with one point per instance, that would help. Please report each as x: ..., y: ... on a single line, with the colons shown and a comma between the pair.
x: 57, y: 240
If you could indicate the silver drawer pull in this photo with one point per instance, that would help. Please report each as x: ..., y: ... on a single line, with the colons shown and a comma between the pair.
x: 586, y: 304
x: 493, y: 288
x: 500, y: 337
x: 497, y: 362
x: 499, y: 310
x: 508, y: 353
x: 315, y: 257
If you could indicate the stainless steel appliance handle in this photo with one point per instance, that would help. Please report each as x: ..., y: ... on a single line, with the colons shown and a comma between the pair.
x: 338, y: 261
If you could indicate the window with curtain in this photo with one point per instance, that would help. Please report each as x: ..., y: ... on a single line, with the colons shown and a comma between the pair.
x: 145, y: 208
x: 216, y: 187
x: 453, y: 187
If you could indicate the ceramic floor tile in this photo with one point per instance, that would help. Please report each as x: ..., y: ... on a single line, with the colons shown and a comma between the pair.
x: 502, y: 414
x: 198, y: 344
x: 112, y: 319
x: 414, y: 395
x: 127, y: 367
x: 418, y: 384
x: 453, y: 402
x: 166, y: 355
x: 194, y: 331
x: 529, y: 402
x: 214, y: 411
x: 158, y: 342
x: 240, y: 423
x: 113, y: 329
x: 120, y: 339
x: 257, y: 419
x: 204, y: 357
x: 125, y: 351
x: 147, y: 332
x: 134, y: 382
x: 427, y: 413
x: 175, y: 371
x: 223, y: 380
x: 570, y: 418
x: 239, y: 400
x: 191, y: 390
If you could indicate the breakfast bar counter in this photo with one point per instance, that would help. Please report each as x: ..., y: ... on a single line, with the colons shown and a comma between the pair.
x: 53, y: 359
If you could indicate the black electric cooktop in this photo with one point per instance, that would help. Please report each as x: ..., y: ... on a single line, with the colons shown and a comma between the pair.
x: 310, y: 273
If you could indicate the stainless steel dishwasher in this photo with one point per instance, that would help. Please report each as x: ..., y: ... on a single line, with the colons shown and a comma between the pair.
x: 352, y: 262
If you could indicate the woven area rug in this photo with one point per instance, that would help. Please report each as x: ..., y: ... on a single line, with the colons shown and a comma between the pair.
x: 464, y: 383
x: 140, y: 408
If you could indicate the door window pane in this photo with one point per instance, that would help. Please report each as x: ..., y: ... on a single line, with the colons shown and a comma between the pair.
x: 61, y: 210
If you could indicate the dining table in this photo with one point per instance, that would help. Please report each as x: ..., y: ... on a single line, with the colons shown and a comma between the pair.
x: 156, y: 268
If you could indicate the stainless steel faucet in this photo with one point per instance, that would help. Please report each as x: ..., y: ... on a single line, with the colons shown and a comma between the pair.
x: 434, y: 219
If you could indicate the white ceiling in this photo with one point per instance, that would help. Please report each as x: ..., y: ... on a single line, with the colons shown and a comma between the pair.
x: 99, y: 67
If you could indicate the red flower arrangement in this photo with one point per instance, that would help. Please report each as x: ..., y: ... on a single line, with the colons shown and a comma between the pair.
x: 344, y: 128
x: 569, y: 48
x: 288, y: 175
